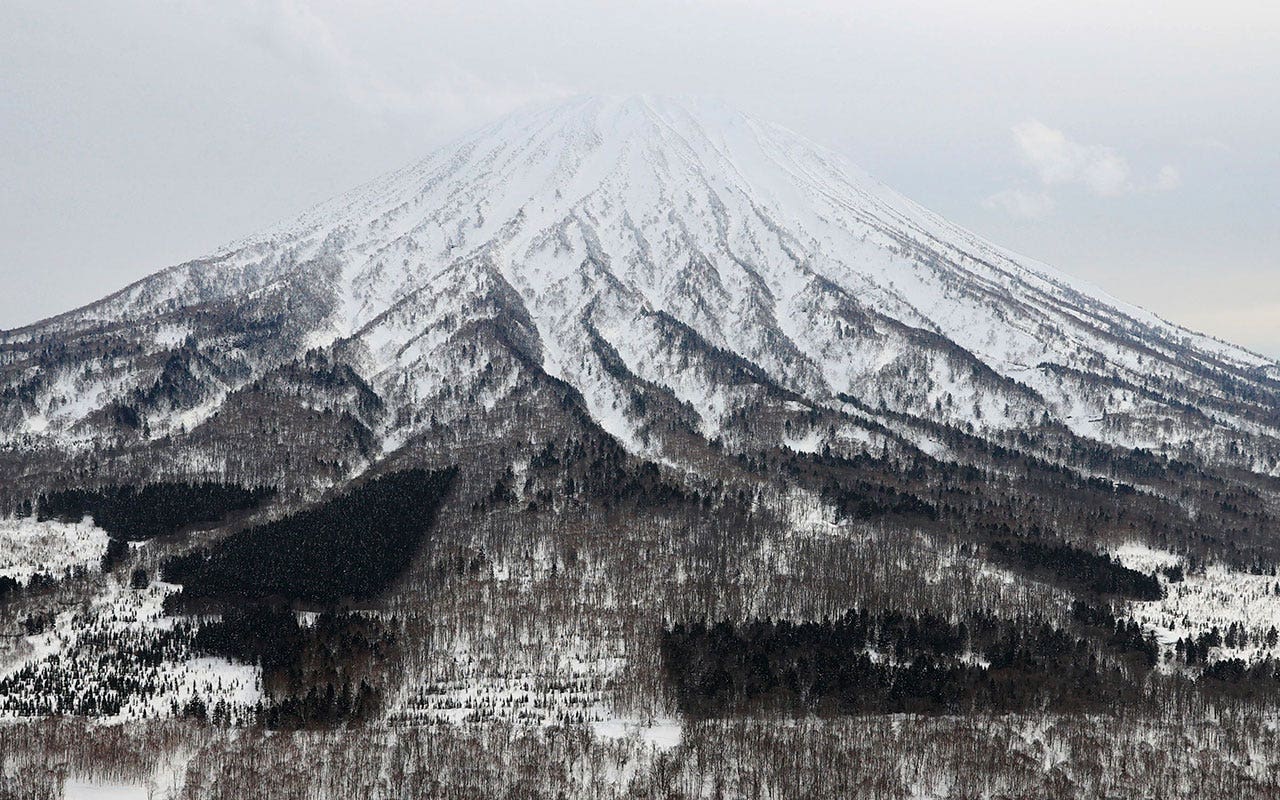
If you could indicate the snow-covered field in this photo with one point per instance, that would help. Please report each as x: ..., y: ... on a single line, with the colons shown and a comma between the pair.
x: 211, y: 679
x: 95, y: 790
x: 92, y: 644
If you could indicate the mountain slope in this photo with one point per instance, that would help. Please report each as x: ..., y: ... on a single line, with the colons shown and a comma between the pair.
x: 639, y: 247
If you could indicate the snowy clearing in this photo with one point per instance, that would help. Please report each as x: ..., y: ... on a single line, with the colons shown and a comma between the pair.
x: 1215, y: 597
x: 29, y: 546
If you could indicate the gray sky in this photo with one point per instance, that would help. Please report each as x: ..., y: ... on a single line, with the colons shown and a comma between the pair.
x: 1132, y: 144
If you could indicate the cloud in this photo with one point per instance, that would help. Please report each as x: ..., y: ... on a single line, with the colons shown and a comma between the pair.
x: 1021, y: 204
x: 301, y: 37
x: 1215, y: 144
x: 1167, y: 179
x: 1057, y: 160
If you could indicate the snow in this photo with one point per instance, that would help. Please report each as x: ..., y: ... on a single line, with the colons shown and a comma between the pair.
x: 608, y: 211
x: 171, y: 334
x: 811, y: 442
x: 1216, y: 596
x: 96, y: 790
x: 29, y: 546
x: 662, y: 734
x: 115, y: 614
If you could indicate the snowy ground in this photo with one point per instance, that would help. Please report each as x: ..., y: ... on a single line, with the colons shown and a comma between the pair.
x: 211, y: 679
x: 663, y: 734
x: 94, y: 642
x: 28, y: 546
x: 1214, y: 597
x: 95, y: 790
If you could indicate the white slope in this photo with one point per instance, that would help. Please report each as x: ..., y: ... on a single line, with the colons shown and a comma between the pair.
x: 629, y: 216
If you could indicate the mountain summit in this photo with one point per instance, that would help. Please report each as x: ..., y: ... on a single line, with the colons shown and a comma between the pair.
x: 639, y: 250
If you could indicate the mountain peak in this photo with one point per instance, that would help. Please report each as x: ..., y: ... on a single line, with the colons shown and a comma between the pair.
x: 667, y: 243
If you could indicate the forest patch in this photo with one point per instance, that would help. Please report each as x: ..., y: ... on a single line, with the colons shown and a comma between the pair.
x: 136, y: 513
x: 898, y: 663
x: 349, y: 547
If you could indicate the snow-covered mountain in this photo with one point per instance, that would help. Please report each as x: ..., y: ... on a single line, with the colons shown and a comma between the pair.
x: 683, y: 268
x: 595, y: 444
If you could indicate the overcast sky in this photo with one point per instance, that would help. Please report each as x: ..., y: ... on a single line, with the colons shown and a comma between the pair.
x: 1133, y: 144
